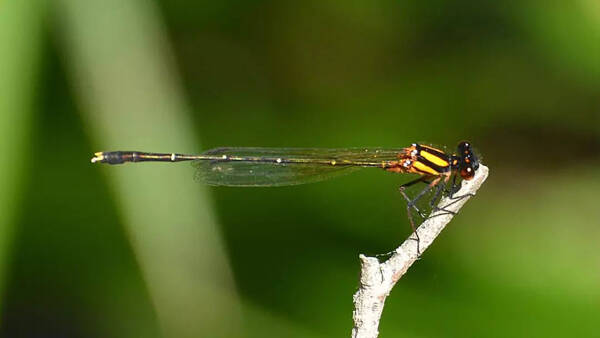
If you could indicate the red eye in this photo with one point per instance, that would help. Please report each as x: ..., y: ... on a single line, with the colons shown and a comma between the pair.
x: 467, y: 173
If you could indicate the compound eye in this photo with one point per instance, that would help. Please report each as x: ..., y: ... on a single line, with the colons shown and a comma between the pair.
x: 467, y: 173
x: 464, y: 148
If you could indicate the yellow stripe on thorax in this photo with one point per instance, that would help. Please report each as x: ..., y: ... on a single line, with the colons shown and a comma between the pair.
x: 434, y: 158
x: 424, y: 168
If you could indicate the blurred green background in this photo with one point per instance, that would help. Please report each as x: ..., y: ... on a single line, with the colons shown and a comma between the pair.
x: 145, y: 251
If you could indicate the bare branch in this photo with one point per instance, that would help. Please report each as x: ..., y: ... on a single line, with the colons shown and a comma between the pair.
x: 378, y: 279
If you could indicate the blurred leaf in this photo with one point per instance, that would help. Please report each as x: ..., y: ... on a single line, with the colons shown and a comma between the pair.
x: 20, y: 45
x: 130, y: 91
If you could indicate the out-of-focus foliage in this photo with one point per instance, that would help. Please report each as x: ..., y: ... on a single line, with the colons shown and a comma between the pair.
x: 520, y: 80
x: 20, y: 44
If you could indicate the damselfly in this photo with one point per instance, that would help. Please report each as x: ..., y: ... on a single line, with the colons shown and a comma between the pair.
x: 267, y: 167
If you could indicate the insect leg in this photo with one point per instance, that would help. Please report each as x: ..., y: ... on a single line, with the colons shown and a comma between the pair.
x: 411, y: 204
x: 438, y: 192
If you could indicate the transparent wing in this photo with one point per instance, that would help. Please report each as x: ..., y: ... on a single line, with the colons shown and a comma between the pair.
x: 255, y: 174
x: 254, y: 167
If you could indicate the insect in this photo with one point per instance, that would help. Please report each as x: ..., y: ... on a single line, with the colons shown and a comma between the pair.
x: 266, y: 167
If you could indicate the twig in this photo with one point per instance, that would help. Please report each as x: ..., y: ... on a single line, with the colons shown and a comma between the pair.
x: 378, y: 279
